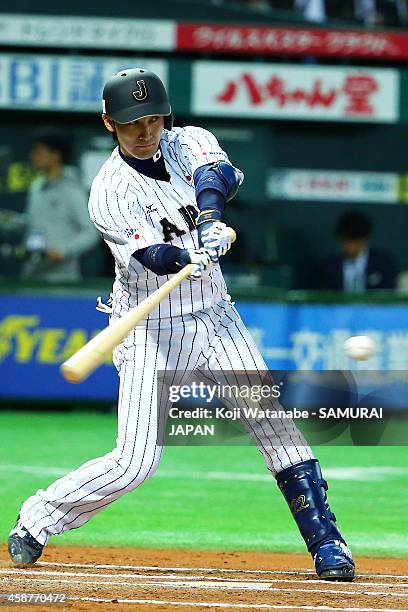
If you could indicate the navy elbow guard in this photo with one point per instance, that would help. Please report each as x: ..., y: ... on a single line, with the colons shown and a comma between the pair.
x: 215, y: 184
x: 219, y: 176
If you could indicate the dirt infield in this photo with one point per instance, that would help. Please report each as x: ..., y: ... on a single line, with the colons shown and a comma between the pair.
x: 102, y: 578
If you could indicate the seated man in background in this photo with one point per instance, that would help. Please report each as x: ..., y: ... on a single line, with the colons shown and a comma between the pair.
x: 312, y: 10
x: 358, y: 267
x: 59, y: 230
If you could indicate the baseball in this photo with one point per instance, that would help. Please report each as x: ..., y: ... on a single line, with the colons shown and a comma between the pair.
x: 359, y: 347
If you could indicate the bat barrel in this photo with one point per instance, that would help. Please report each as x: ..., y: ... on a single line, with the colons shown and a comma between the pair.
x: 78, y: 367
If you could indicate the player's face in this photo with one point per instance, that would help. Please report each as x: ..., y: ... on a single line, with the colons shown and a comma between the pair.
x: 42, y: 157
x: 353, y: 248
x: 140, y: 138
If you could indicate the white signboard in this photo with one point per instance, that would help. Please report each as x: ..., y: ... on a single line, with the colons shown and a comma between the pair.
x: 87, y: 32
x: 375, y: 187
x: 304, y: 92
x: 46, y: 82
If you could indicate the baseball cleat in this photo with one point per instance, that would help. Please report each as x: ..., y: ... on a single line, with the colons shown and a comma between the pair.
x: 333, y: 561
x: 23, y: 549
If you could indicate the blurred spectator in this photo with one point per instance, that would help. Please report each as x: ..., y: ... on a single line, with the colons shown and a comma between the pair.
x: 368, y: 13
x: 59, y: 230
x: 358, y: 267
x: 365, y: 11
x: 312, y: 10
x: 381, y: 12
x: 402, y: 8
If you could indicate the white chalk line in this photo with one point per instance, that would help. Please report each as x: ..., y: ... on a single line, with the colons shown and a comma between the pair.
x: 208, y: 604
x: 203, y: 585
x: 136, y: 577
x: 155, y: 568
x: 221, y: 570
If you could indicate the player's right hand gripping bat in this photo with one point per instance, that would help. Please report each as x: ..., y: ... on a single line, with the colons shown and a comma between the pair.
x: 93, y: 353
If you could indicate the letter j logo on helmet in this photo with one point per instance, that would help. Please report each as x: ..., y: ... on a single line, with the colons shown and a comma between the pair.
x: 141, y: 92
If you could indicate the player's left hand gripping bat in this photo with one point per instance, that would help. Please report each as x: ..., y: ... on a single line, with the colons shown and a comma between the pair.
x: 93, y: 353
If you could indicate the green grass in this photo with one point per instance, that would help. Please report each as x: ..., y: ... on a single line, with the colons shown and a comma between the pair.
x: 188, y: 511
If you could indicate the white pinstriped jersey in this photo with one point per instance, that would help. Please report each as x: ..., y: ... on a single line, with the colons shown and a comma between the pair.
x: 133, y: 211
x: 196, y: 330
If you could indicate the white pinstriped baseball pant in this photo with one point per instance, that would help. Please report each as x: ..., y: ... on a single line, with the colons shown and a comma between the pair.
x: 209, y: 340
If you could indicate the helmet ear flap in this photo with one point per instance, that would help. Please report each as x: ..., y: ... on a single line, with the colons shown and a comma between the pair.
x: 168, y: 122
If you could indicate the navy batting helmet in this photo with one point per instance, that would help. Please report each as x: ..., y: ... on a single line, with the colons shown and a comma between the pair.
x: 134, y: 93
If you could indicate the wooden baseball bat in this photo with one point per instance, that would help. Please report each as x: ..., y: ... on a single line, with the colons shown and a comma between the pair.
x: 89, y: 357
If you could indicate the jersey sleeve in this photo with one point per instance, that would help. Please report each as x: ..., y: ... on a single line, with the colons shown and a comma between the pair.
x: 197, y: 147
x: 124, y: 227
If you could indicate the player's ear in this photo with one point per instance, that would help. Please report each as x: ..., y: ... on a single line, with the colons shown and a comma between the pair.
x: 109, y: 123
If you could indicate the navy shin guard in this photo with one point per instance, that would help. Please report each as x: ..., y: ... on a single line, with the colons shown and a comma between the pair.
x: 304, y: 489
x: 305, y: 492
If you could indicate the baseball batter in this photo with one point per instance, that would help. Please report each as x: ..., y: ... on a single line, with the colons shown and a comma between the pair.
x: 158, y: 202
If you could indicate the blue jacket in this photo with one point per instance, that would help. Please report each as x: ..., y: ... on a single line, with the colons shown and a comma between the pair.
x: 381, y: 272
